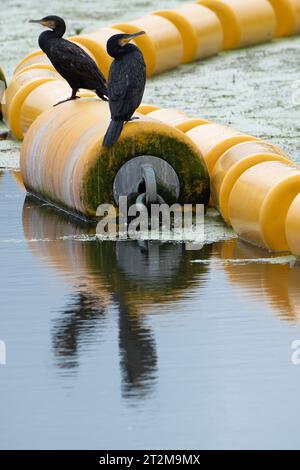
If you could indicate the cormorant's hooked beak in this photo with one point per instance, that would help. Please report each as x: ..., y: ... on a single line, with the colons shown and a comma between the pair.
x: 47, y: 24
x: 128, y: 37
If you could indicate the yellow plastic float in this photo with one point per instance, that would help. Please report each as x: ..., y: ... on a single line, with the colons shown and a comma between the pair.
x: 37, y: 57
x: 161, y: 46
x: 287, y: 15
x: 2, y: 89
x: 63, y: 161
x: 43, y: 97
x: 27, y: 79
x: 34, y: 67
x: 214, y: 139
x: 146, y: 108
x: 259, y: 203
x: 232, y: 165
x: 292, y: 226
x: 200, y: 28
x: 244, y: 22
x: 12, y: 117
x: 176, y: 118
x: 95, y: 43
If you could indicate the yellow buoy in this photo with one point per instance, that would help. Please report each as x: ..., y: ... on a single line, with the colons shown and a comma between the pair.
x: 161, y: 46
x: 287, y: 15
x: 63, y: 161
x: 176, y: 118
x: 30, y: 75
x: 292, y: 226
x: 34, y: 57
x: 42, y: 98
x: 214, y: 139
x: 259, y: 203
x: 244, y: 22
x: 34, y: 67
x: 145, y: 108
x: 232, y: 165
x: 200, y: 28
x: 14, y: 109
x: 189, y: 123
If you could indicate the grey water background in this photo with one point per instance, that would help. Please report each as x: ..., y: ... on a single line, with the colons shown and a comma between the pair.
x: 147, y: 345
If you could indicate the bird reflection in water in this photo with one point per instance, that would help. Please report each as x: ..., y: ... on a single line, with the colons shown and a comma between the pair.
x: 133, y: 276
x: 138, y: 357
x: 77, y: 322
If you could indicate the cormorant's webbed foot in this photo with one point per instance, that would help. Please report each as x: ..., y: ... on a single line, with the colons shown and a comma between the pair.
x: 134, y: 118
x: 68, y: 99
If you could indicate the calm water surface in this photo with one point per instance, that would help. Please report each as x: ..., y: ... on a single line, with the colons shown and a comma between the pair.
x: 141, y: 345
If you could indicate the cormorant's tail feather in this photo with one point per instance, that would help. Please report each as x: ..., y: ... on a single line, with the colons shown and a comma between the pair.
x: 113, y: 133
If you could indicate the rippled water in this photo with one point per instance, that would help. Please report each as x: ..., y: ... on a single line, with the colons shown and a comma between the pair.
x: 145, y: 344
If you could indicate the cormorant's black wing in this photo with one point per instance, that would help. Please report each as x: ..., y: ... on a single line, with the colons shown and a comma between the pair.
x: 72, y: 62
x: 126, y: 85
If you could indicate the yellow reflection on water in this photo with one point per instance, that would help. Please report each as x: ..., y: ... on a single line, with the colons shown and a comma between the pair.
x: 270, y: 277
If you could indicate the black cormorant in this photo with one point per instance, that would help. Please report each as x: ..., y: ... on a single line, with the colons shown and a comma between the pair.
x: 126, y: 83
x: 70, y: 60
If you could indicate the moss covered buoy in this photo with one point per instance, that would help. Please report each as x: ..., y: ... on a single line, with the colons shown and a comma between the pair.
x: 63, y: 161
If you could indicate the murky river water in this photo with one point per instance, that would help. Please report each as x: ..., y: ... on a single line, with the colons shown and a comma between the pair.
x: 148, y: 345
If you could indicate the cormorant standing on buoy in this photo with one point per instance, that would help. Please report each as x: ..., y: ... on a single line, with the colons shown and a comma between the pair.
x: 70, y: 60
x: 126, y: 83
